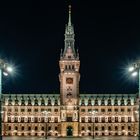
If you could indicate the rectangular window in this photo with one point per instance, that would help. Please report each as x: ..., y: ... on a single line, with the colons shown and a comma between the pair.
x: 16, y: 109
x: 83, y: 119
x: 96, y: 110
x: 69, y: 119
x: 129, y: 119
x: 122, y: 119
x: 89, y: 119
x: 55, y: 110
x: 109, y: 109
x: 122, y: 109
x: 29, y: 109
x: 36, y: 110
x: 49, y: 110
x: 22, y: 119
x: 22, y: 110
x: 96, y: 119
x: 49, y: 119
x: 116, y: 109
x: 89, y: 110
x: 129, y: 110
x: 9, y: 110
x: 55, y: 119
x: 102, y: 110
x: 82, y: 110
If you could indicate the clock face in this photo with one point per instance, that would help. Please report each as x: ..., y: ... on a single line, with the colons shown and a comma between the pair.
x: 69, y: 80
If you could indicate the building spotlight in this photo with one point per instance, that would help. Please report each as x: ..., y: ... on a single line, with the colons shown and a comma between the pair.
x: 134, y: 74
x: 5, y: 73
x: 130, y: 69
x: 9, y: 69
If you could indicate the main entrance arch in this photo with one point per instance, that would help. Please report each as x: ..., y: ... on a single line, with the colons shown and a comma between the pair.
x: 69, y: 131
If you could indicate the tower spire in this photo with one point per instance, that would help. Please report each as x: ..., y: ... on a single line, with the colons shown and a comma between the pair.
x: 69, y: 22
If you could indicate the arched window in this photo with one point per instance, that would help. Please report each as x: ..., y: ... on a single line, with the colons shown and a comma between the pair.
x: 42, y: 102
x: 10, y: 101
x: 109, y: 127
x: 96, y: 128
x: 89, y: 102
x: 103, y: 101
x: 96, y: 101
x: 128, y: 101
x: 83, y: 102
x: 29, y: 101
x: 122, y: 101
x: 103, y: 128
x: 36, y: 101
x: 109, y: 101
x: 16, y: 101
x: 56, y: 102
x: 49, y: 102
x: 116, y: 127
x: 103, y: 119
x: 116, y: 101
x: 83, y: 128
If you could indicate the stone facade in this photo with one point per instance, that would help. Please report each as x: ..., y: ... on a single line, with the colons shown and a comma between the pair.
x: 70, y: 113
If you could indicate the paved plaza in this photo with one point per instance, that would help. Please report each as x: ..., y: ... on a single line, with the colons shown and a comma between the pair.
x: 71, y: 138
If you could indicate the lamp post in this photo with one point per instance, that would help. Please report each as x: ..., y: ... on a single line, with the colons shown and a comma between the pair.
x: 46, y: 113
x: 135, y: 70
x: 4, y: 69
x: 93, y: 113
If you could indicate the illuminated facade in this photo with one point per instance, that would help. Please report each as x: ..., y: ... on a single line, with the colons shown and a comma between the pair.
x: 70, y: 113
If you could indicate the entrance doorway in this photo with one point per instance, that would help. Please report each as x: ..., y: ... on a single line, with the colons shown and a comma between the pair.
x: 69, y: 131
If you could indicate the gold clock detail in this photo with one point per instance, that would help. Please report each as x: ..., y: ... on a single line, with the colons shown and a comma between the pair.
x: 69, y: 80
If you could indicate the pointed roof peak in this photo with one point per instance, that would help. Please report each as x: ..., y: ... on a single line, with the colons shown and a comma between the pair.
x: 69, y: 23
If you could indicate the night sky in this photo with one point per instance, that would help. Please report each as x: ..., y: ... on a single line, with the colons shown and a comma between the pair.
x: 107, y: 34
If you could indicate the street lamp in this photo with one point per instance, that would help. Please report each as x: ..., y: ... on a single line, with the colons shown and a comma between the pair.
x: 4, y: 69
x: 46, y: 113
x: 93, y: 113
x: 135, y: 71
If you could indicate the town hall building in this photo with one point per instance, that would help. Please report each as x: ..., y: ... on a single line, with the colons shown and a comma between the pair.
x: 69, y: 113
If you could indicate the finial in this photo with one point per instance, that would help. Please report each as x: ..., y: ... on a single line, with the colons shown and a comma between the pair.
x: 61, y: 54
x: 69, y: 9
x: 77, y: 54
x: 69, y: 23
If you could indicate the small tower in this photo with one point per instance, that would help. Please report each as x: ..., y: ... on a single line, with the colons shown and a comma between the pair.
x: 69, y: 64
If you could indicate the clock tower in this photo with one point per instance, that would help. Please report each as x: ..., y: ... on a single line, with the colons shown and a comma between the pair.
x: 69, y: 63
